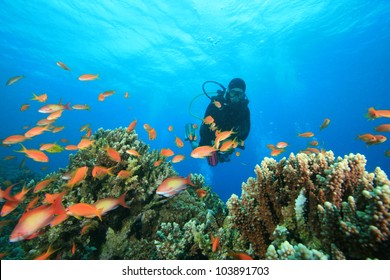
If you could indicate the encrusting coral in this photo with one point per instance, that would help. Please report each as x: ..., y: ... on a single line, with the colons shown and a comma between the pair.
x: 313, y: 206
x: 136, y: 232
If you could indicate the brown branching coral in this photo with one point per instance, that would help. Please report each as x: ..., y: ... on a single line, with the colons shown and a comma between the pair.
x: 328, y: 204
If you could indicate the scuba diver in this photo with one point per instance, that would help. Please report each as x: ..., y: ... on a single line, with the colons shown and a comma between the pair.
x: 227, y: 111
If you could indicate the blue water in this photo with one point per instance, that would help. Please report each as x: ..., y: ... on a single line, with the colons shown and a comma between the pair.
x: 303, y: 61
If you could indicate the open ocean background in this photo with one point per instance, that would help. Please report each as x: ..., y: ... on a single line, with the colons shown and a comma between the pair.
x: 303, y: 61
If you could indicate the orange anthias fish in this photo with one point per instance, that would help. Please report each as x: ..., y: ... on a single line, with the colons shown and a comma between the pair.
x: 100, y: 171
x: 152, y: 134
x: 55, y: 115
x: 37, y: 130
x: 228, y: 145
x: 13, y: 80
x: 215, y: 244
x: 51, y: 108
x: 133, y: 152
x: 313, y: 143
x: 88, y: 77
x: 14, y: 139
x: 177, y: 158
x: 101, y: 97
x: 47, y: 254
x: 131, y: 126
x: 281, y: 145
x: 8, y: 207
x: 221, y: 136
x: 51, y: 198
x: 166, y: 152
x: 208, y: 120
x: 78, y: 176
x: 179, y: 143
x: 71, y: 148
x: 374, y: 114
x: 276, y: 152
x: 43, y: 184
x: 110, y: 203
x: 201, y: 193
x: 85, y: 127
x: 85, y: 229
x: 123, y: 174
x: 45, y: 121
x: 108, y: 93
x: 306, y: 134
x: 85, y: 143
x: 367, y: 137
x: 13, y: 202
x: 202, y: 151
x: 32, y: 203
x: 6, y: 194
x: 313, y: 150
x: 40, y: 98
x: 34, y: 220
x: 36, y: 155
x: 383, y: 128
x: 113, y: 154
x: 325, y: 124
x: 378, y: 140
x: 24, y: 107
x: 173, y: 185
x: 240, y: 256
x: 57, y: 129
x: 217, y: 104
x: 84, y: 210
x: 62, y: 65
x: 73, y: 250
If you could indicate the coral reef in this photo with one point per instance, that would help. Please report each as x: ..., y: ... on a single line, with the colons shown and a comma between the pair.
x: 313, y: 207
x: 152, y: 227
x: 303, y: 207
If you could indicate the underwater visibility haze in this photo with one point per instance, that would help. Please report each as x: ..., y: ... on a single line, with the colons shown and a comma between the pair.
x: 303, y: 62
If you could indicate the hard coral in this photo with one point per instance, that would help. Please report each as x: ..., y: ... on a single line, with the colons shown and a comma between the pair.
x: 125, y: 233
x: 327, y: 204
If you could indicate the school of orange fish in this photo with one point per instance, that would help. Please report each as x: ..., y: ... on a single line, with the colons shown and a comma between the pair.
x: 368, y: 138
x: 51, y: 212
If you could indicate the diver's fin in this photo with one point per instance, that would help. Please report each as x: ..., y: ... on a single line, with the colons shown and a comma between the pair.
x: 213, y: 159
x: 190, y: 134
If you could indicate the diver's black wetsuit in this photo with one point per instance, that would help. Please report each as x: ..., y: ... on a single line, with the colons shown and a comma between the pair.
x: 230, y: 115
